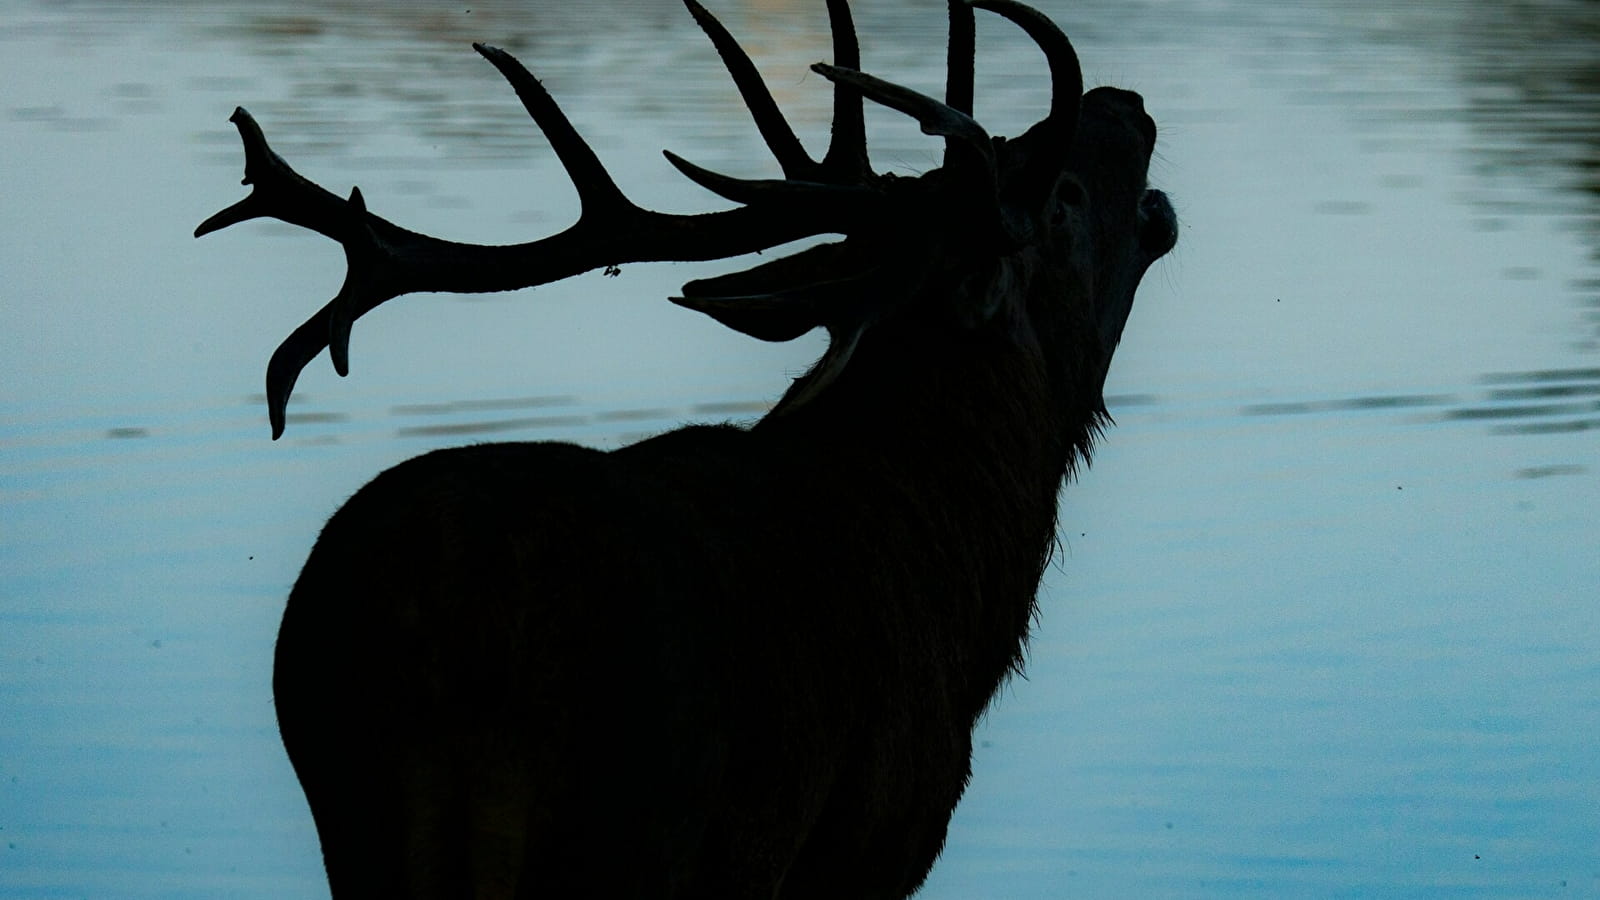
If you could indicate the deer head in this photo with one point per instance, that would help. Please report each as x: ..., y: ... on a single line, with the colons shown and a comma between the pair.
x: 1044, y: 236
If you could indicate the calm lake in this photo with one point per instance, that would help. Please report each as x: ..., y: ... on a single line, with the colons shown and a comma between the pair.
x: 1324, y: 623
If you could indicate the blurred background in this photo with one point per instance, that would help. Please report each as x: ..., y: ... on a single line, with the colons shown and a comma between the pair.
x: 1323, y: 623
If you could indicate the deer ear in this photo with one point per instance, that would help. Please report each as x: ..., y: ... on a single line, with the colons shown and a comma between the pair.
x: 841, y: 346
x: 771, y: 317
x: 784, y: 298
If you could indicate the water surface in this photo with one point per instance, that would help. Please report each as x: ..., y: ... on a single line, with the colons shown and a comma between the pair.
x: 1323, y: 623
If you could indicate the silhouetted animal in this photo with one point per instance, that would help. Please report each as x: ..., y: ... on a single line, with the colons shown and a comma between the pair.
x: 722, y: 662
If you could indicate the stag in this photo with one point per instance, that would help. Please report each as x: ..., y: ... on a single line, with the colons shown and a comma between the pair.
x: 723, y: 662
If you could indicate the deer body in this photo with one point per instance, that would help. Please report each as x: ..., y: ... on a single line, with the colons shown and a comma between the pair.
x: 722, y: 662
x: 772, y: 643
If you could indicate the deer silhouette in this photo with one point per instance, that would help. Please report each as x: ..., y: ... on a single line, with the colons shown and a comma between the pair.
x: 723, y: 662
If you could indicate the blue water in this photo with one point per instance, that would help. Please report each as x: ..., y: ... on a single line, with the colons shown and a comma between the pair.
x: 1324, y: 621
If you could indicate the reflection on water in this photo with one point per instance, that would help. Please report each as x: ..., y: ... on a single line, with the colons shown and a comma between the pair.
x: 577, y: 419
x: 1323, y: 620
x: 1353, y: 403
x: 1533, y: 86
x: 1558, y: 399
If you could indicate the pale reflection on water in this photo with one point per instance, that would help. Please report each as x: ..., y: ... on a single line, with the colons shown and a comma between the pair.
x: 1323, y: 623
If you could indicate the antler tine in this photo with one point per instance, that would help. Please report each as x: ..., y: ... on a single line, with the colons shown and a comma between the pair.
x: 969, y: 151
x: 289, y: 360
x: 847, y: 148
x: 935, y: 117
x: 360, y: 265
x: 1066, y: 77
x: 277, y: 190
x: 959, y: 64
x: 757, y: 190
x: 960, y: 56
x: 597, y: 192
x: 774, y: 128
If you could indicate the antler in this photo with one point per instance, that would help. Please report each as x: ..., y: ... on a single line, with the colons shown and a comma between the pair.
x: 385, y: 260
x: 776, y: 301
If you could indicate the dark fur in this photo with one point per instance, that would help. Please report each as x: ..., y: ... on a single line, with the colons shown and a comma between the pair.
x: 722, y: 662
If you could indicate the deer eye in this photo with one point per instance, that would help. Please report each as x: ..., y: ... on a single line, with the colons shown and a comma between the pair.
x: 1069, y: 194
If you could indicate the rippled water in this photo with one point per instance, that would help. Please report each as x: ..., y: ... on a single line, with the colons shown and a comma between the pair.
x: 1324, y: 623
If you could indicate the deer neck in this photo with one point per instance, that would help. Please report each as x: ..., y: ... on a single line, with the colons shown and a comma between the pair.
x: 973, y: 426
x: 939, y: 464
